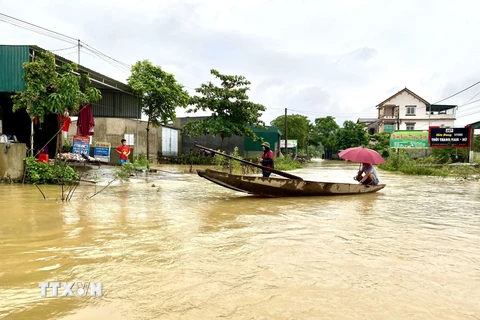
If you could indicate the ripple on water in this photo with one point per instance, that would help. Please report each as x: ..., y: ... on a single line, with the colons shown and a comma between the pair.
x: 193, y: 250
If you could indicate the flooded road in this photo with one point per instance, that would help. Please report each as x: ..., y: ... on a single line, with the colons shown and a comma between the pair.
x: 189, y: 249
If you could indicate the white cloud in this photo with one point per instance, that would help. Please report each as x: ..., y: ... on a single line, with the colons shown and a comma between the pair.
x: 338, y: 57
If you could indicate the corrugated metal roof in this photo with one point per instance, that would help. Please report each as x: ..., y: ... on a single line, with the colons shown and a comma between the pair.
x: 11, y: 67
x: 270, y: 135
x: 440, y: 107
x: 115, y: 104
x: 475, y: 125
x: 268, y: 129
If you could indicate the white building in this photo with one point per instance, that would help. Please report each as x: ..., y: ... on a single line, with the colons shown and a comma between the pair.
x: 405, y: 110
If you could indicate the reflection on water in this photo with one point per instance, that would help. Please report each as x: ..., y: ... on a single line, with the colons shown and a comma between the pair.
x: 187, y: 248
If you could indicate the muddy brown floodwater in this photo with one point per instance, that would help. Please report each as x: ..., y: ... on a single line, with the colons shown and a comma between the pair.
x: 189, y: 249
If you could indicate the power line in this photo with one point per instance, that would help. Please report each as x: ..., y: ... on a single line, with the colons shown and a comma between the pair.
x: 35, y: 28
x: 453, y: 95
x: 468, y: 114
x: 99, y: 53
x: 323, y: 113
x: 62, y: 37
x: 56, y: 50
x: 468, y: 102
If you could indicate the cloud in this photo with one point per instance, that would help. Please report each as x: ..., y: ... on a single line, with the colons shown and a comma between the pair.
x: 340, y: 57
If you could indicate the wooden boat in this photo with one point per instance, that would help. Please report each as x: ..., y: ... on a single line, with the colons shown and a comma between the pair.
x: 280, y: 187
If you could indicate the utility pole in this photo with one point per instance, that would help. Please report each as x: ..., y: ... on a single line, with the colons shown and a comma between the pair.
x: 286, y: 145
x: 78, y: 51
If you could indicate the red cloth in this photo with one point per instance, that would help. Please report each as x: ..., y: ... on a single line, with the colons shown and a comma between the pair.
x: 66, y: 122
x: 85, y: 122
x: 268, y: 155
x: 124, y: 151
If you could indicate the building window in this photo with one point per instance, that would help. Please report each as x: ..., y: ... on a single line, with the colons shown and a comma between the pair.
x: 410, y: 126
x: 388, y: 128
x: 411, y: 110
x: 129, y: 138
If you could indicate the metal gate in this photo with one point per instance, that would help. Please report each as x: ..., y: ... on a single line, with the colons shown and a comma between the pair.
x: 169, y: 142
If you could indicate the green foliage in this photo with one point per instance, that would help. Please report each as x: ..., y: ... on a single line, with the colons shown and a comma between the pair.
x: 124, y: 171
x: 298, y: 128
x: 191, y: 157
x: 287, y: 163
x: 222, y: 162
x: 158, y: 92
x: 449, y: 155
x: 476, y: 143
x: 380, y: 142
x: 316, y: 151
x: 232, y: 112
x: 351, y: 135
x: 53, y: 90
x: 324, y: 132
x: 141, y: 162
x: 48, y: 173
x: 402, y: 162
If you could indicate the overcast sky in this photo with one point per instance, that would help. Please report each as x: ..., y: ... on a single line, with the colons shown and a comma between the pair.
x: 317, y: 58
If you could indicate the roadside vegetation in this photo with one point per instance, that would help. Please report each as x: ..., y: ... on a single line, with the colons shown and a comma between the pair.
x: 448, y: 162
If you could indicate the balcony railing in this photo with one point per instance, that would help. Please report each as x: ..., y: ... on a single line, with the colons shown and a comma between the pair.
x: 389, y: 117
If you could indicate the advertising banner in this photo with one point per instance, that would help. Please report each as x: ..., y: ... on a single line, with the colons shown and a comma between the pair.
x: 449, y: 137
x: 416, y: 139
x: 101, y: 151
x: 81, y: 145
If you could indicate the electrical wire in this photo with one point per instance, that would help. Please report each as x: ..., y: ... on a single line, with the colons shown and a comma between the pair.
x: 88, y: 47
x: 453, y: 95
x: 62, y: 37
x: 32, y: 27
x: 63, y: 49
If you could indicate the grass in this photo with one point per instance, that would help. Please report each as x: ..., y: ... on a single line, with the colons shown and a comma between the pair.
x: 429, y: 166
x: 285, y: 164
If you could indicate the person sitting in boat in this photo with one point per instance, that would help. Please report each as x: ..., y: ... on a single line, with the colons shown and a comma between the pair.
x: 267, y: 159
x: 370, y: 176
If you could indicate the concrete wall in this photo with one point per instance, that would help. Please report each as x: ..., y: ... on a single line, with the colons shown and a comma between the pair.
x: 11, y: 162
x: 215, y: 143
x: 112, y: 130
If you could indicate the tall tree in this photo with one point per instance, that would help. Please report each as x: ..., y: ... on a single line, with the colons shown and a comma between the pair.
x: 158, y: 92
x: 297, y: 126
x: 380, y: 142
x: 324, y: 132
x: 351, y: 135
x: 232, y: 112
x: 53, y: 90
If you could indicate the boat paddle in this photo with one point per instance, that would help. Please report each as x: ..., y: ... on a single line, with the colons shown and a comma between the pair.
x: 280, y: 173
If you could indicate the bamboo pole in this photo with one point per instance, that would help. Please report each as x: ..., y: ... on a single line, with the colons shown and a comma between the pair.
x: 280, y: 173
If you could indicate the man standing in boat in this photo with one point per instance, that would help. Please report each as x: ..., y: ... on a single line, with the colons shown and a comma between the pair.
x: 267, y: 159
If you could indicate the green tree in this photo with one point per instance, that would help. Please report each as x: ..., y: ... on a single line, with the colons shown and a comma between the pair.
x: 298, y: 128
x: 53, y: 90
x: 380, y: 142
x: 324, y: 133
x: 351, y: 135
x: 158, y: 92
x: 476, y: 143
x: 232, y: 112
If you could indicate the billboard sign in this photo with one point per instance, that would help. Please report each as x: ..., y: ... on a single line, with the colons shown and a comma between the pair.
x: 449, y: 137
x: 416, y: 139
